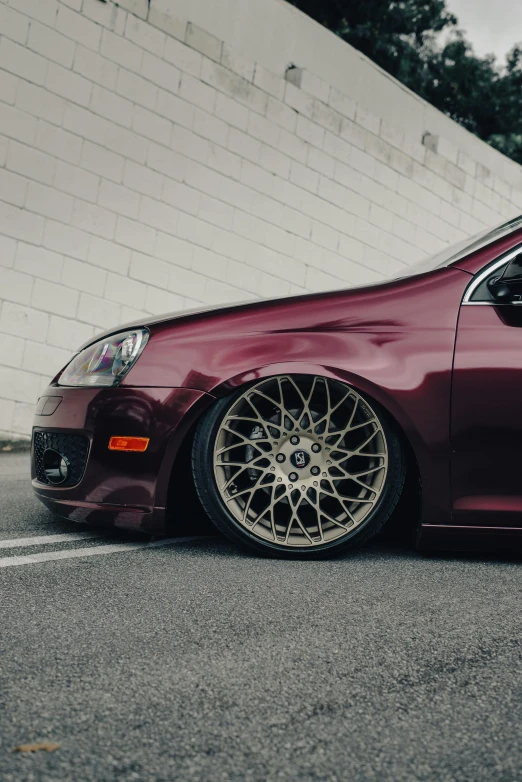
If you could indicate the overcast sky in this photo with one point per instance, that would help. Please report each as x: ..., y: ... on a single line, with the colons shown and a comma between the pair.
x: 492, y: 26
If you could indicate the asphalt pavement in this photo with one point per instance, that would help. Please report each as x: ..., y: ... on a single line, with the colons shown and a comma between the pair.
x: 193, y: 661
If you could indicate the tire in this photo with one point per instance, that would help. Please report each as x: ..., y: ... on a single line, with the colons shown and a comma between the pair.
x: 297, y: 466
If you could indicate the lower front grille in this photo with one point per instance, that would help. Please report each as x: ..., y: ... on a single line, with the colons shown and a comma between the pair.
x: 69, y: 450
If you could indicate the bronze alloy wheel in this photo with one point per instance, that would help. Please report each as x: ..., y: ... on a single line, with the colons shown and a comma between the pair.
x: 297, y: 463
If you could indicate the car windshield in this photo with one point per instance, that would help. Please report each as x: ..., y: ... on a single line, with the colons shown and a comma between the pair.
x: 461, y: 249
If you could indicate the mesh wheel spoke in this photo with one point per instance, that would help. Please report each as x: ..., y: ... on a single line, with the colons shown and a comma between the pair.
x: 244, y: 441
x: 242, y: 467
x: 249, y: 490
x: 345, y: 454
x: 365, y: 472
x: 290, y: 460
x: 279, y: 405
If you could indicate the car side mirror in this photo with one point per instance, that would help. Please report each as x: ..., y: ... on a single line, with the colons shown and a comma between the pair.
x: 507, y: 288
x: 500, y: 290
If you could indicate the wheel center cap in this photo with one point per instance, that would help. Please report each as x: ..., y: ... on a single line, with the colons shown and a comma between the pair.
x: 300, y: 459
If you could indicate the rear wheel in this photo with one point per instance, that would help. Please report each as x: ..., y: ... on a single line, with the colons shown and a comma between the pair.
x: 298, y: 466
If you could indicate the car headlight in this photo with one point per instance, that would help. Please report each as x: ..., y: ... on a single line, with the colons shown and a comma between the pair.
x: 106, y: 362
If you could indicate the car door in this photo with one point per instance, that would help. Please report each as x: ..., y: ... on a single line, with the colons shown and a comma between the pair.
x: 486, y: 420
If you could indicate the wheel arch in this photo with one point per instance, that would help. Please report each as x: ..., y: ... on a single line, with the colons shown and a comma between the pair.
x: 377, y: 393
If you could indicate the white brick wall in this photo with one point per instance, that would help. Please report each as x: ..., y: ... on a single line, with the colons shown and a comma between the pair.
x: 149, y: 165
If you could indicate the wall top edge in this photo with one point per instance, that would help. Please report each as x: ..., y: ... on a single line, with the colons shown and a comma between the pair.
x: 274, y: 35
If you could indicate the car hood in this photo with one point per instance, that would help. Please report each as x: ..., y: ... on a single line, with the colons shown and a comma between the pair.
x: 377, y: 306
x: 151, y: 321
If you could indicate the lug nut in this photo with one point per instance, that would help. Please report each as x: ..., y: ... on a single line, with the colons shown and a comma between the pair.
x: 294, y: 440
x: 316, y: 447
x: 293, y: 476
x: 315, y: 470
x: 280, y: 457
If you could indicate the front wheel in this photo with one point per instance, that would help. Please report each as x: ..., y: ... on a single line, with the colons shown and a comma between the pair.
x: 298, y: 466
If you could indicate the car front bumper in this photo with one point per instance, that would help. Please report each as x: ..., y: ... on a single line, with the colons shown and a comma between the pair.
x: 123, y: 489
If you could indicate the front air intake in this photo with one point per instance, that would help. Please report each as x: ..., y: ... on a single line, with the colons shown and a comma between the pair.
x: 59, y: 458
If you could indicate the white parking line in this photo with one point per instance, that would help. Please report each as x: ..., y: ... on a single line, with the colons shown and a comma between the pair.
x: 43, y: 540
x: 113, y: 548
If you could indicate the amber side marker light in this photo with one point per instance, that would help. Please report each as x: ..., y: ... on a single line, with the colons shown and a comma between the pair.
x: 129, y: 444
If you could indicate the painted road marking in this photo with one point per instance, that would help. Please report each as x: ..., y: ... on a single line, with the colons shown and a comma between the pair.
x: 43, y: 540
x: 113, y: 548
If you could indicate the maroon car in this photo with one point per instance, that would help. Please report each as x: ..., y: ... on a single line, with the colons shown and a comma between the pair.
x: 300, y: 422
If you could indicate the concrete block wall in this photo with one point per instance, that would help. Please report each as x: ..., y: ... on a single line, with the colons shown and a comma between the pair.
x: 149, y: 165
